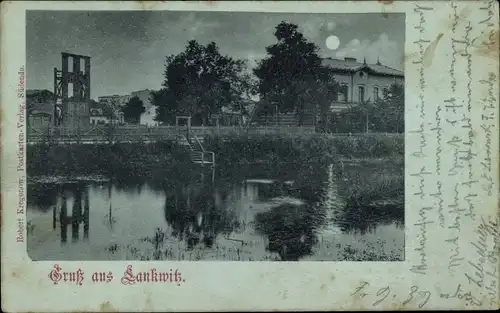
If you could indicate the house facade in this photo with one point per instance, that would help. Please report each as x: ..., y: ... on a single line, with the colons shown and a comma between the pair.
x: 148, y: 117
x: 105, y: 115
x: 360, y: 82
x: 40, y: 110
x: 40, y: 120
x: 118, y: 101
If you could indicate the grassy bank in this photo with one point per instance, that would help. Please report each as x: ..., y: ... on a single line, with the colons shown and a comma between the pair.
x: 307, y: 148
x: 116, y: 160
x: 370, y: 197
x: 140, y: 159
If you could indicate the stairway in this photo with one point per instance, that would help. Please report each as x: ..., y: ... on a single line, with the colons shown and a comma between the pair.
x: 182, y: 141
x: 197, y: 153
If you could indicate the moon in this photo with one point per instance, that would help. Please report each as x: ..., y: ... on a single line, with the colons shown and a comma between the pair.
x: 332, y: 42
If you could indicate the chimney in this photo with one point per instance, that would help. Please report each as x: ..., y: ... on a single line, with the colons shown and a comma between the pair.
x: 348, y: 59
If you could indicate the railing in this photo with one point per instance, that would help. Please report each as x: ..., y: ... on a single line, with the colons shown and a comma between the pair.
x: 199, y: 144
x: 158, y: 133
x: 212, y: 157
x: 196, y: 156
x: 253, y: 130
x: 165, y: 130
x: 203, y: 157
x: 204, y: 154
x: 137, y: 133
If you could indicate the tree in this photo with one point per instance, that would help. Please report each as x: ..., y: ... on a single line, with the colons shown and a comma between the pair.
x: 388, y: 111
x: 165, y: 109
x: 352, y: 120
x: 245, y: 86
x: 292, y: 77
x: 198, y: 82
x: 132, y: 110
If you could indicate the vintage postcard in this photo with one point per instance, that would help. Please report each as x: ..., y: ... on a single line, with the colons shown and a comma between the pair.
x: 249, y: 156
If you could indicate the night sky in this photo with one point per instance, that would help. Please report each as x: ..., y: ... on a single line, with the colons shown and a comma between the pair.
x: 128, y: 48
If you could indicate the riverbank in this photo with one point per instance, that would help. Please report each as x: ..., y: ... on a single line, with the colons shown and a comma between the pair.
x: 317, y: 148
x: 352, y: 190
x: 144, y: 159
x: 134, y: 159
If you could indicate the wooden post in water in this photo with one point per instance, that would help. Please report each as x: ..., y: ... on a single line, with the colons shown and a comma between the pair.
x: 76, y: 214
x: 213, y: 172
x: 63, y: 215
x: 86, y: 213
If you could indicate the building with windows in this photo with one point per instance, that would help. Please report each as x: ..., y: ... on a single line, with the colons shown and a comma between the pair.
x: 101, y: 113
x: 118, y: 101
x: 148, y: 117
x: 360, y: 81
x: 40, y: 110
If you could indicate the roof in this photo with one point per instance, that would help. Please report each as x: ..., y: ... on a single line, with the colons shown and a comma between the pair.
x: 354, y: 66
x: 40, y: 113
x: 39, y: 95
x: 30, y: 92
x: 43, y: 108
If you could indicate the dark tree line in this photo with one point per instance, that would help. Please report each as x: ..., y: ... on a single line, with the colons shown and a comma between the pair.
x: 292, y: 78
x: 200, y: 81
x: 132, y: 110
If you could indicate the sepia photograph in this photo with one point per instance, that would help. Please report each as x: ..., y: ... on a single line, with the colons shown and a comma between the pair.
x: 232, y: 136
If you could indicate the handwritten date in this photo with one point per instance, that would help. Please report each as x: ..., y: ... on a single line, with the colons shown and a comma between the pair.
x: 414, y: 296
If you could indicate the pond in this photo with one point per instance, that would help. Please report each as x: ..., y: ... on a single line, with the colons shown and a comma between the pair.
x: 251, y: 213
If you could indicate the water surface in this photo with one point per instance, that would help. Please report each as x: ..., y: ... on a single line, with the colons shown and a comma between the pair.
x: 250, y: 214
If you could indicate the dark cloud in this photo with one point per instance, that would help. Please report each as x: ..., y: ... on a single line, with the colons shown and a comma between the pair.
x: 128, y: 48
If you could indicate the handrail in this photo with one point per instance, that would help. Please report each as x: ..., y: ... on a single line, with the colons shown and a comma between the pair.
x: 199, y: 143
x: 187, y: 141
x: 213, y: 157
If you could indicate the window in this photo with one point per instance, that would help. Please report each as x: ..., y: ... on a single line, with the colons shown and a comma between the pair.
x: 336, y: 96
x: 375, y: 93
x: 344, y: 92
x: 361, y: 93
